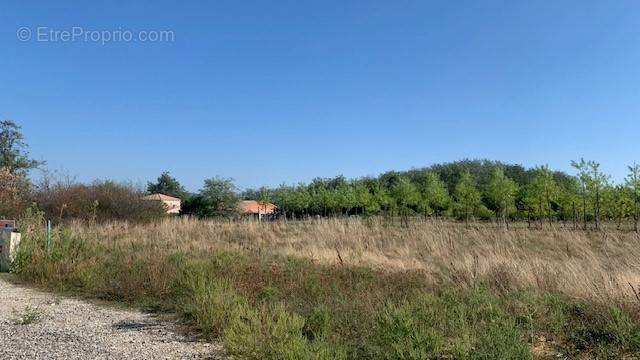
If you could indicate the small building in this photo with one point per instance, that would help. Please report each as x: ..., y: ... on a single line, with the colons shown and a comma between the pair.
x: 259, y: 210
x: 171, y: 204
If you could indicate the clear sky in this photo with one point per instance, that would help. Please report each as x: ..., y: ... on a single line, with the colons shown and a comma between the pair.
x: 282, y: 91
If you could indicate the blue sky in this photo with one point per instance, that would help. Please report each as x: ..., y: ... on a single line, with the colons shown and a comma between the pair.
x: 282, y: 91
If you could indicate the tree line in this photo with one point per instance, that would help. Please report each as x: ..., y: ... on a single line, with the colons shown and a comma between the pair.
x: 470, y: 189
x: 465, y: 190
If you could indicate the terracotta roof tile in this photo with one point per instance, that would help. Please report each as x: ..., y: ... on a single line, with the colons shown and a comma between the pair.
x: 253, y: 207
x: 161, y: 197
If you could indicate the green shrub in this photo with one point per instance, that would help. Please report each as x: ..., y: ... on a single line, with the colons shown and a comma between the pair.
x: 402, y: 335
x: 53, y: 261
x: 208, y: 300
x: 606, y: 333
x: 31, y: 249
x: 271, y: 332
x: 317, y: 323
x: 459, y: 324
x: 269, y: 294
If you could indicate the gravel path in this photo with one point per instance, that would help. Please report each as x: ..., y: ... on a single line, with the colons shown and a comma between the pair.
x: 37, y: 325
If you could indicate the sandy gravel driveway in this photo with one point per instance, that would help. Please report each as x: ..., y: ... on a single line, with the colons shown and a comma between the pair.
x: 38, y: 325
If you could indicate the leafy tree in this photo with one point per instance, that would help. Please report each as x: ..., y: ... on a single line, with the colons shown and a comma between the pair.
x: 502, y: 191
x: 364, y: 201
x: 168, y: 185
x: 13, y: 149
x: 584, y: 178
x: 542, y: 192
x: 599, y: 180
x: 301, y: 200
x: 468, y: 198
x: 567, y: 199
x: 195, y: 205
x: 406, y: 196
x: 617, y: 203
x: 435, y: 196
x: 633, y: 184
x: 592, y: 181
x: 384, y: 199
x: 218, y: 198
x: 347, y: 199
x: 12, y: 194
x: 265, y: 197
x: 283, y: 197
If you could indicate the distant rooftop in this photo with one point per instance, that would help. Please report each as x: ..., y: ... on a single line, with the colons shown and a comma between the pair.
x: 160, y: 197
x: 254, y: 207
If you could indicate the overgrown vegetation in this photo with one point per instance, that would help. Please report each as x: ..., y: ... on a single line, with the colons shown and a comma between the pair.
x: 249, y: 286
x: 100, y: 201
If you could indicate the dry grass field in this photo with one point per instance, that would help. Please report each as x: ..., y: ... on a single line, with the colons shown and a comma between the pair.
x: 594, y: 265
x: 363, y: 288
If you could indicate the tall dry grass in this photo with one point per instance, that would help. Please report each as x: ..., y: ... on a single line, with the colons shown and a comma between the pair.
x: 595, y: 266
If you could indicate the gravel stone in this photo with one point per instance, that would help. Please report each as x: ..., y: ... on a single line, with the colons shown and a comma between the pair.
x: 38, y: 325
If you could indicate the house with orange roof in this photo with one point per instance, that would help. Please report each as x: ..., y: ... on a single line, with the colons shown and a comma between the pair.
x: 170, y: 203
x: 259, y: 210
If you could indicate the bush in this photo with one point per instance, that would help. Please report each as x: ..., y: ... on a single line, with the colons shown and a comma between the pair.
x: 468, y: 324
x: 208, y: 300
x: 99, y: 201
x: 401, y: 335
x: 271, y: 332
x: 606, y: 333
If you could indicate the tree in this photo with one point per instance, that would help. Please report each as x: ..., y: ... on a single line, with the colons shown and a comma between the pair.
x: 218, y: 198
x: 14, y: 165
x: 168, y: 185
x: 364, y: 200
x: 501, y: 191
x: 542, y: 192
x: 618, y: 203
x: 435, y: 196
x: 633, y: 183
x: 12, y: 191
x: 284, y: 198
x: 406, y: 196
x: 301, y: 200
x: 195, y: 205
x: 592, y: 181
x: 568, y: 197
x: 468, y: 198
x: 265, y: 197
x: 584, y: 178
x: 599, y: 180
x: 13, y: 149
x: 384, y: 200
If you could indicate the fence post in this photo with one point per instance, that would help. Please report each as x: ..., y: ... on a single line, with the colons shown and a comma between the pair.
x: 49, y: 236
